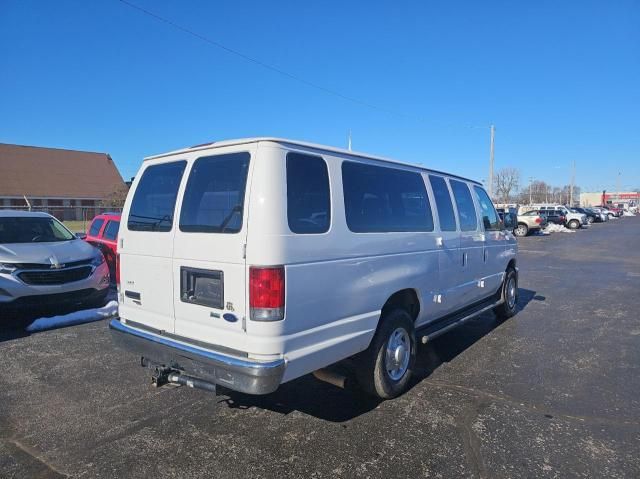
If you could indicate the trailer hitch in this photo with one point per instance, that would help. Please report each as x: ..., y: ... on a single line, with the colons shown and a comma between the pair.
x: 162, y: 375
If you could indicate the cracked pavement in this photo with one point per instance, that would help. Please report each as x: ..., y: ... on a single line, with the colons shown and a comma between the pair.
x: 552, y: 392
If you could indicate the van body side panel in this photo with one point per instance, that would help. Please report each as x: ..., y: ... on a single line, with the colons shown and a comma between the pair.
x: 336, y: 282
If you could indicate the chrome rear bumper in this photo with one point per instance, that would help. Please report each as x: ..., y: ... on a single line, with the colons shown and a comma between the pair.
x: 237, y: 373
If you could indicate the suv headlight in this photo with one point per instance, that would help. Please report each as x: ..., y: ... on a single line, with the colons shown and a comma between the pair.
x: 7, y: 268
x: 98, y: 259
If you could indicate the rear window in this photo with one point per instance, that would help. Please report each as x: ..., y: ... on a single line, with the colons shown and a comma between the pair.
x: 95, y: 226
x: 380, y: 199
x: 154, y: 200
x: 443, y: 203
x: 111, y: 230
x: 464, y: 203
x: 308, y: 197
x: 214, y: 198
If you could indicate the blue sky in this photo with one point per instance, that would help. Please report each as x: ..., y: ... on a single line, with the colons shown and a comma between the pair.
x: 560, y: 80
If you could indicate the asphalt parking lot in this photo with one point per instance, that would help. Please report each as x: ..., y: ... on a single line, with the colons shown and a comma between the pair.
x: 552, y: 392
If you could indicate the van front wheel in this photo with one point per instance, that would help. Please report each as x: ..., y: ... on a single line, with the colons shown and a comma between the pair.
x: 509, y: 296
x: 384, y: 369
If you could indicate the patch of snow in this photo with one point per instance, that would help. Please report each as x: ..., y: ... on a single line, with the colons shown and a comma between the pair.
x: 78, y: 317
x: 628, y: 213
x: 554, y: 228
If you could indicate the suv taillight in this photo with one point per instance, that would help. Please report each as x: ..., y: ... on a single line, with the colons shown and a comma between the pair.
x: 266, y: 293
x: 538, y: 220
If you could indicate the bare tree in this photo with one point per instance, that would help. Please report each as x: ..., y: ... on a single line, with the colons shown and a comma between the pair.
x: 116, y: 198
x: 506, y: 181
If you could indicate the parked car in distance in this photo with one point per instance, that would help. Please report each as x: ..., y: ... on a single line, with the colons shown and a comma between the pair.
x: 42, y: 263
x: 528, y: 222
x: 103, y: 234
x: 612, y: 210
x: 249, y: 263
x: 553, y: 216
x: 572, y: 220
x: 604, y: 214
x: 591, y: 215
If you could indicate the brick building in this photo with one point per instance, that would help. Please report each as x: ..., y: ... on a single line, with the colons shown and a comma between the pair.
x: 68, y: 184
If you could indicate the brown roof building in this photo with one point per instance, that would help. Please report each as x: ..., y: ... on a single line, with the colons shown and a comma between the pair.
x: 51, y: 178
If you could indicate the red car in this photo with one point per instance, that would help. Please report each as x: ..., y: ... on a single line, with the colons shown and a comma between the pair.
x: 103, y: 234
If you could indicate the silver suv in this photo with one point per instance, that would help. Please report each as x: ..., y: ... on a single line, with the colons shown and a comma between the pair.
x: 42, y: 263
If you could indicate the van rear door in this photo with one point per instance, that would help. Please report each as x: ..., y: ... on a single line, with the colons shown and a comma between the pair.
x: 209, y: 274
x: 146, y: 246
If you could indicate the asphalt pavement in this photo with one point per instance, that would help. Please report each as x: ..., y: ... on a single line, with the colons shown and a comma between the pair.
x: 552, y: 392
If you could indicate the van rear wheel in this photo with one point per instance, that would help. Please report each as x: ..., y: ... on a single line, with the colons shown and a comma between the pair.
x: 385, y: 368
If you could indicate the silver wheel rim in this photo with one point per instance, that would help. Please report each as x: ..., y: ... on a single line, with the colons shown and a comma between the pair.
x: 520, y: 230
x: 398, y: 354
x: 511, y: 292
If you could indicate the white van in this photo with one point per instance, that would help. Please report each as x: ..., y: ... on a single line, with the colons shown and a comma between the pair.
x: 249, y: 263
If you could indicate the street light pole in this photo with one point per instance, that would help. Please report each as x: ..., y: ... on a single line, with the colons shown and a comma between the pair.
x: 530, y: 184
x: 493, y: 134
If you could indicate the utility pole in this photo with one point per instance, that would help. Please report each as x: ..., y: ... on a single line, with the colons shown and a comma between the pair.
x: 493, y: 134
x: 530, y: 183
x: 349, y: 142
x: 573, y: 180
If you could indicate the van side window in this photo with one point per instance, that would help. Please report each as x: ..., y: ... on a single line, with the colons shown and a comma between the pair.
x: 490, y: 218
x: 214, y: 197
x: 380, y: 199
x: 154, y: 201
x: 95, y: 227
x: 464, y: 203
x: 443, y: 203
x: 308, y: 197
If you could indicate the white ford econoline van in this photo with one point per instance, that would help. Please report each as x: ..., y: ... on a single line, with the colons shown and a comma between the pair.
x: 249, y: 263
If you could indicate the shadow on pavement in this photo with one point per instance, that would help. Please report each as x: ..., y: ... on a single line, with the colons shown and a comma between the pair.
x: 330, y: 403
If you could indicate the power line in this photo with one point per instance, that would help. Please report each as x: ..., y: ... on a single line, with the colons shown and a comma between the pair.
x: 282, y: 72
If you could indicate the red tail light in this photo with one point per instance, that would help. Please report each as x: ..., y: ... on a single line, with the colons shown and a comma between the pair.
x: 562, y: 218
x: 538, y: 220
x: 266, y: 293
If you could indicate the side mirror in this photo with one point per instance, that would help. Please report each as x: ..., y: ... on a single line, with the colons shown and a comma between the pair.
x: 81, y: 236
x: 509, y: 221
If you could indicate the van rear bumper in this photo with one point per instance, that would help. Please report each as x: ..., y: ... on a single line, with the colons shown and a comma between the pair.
x: 240, y: 374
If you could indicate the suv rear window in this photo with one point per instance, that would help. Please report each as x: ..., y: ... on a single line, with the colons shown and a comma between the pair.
x: 214, y: 197
x: 111, y: 230
x: 155, y: 198
x: 380, y: 199
x: 308, y: 198
x: 95, y: 227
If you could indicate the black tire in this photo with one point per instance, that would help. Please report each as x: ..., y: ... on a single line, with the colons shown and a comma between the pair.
x: 521, y: 230
x: 509, y: 305
x: 574, y: 224
x: 371, y: 365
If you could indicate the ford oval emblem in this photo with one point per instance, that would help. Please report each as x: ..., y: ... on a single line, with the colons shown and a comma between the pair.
x: 231, y: 318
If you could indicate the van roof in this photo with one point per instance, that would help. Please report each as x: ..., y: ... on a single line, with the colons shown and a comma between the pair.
x: 284, y: 141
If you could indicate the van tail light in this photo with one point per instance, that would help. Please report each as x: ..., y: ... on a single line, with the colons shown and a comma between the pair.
x: 266, y: 293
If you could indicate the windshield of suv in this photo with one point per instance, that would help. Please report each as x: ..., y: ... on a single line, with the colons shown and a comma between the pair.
x: 32, y: 229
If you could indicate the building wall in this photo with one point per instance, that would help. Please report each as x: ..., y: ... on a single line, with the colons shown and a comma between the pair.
x: 594, y: 199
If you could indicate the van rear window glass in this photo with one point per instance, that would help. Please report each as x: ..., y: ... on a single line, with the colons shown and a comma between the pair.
x: 443, y: 203
x: 214, y: 197
x: 380, y: 199
x: 490, y: 218
x: 95, y: 227
x: 155, y: 198
x: 308, y: 197
x: 464, y: 203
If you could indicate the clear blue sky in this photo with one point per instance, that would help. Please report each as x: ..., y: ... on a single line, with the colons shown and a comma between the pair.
x: 560, y: 80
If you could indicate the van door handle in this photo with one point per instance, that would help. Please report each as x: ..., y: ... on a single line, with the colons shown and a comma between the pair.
x: 132, y: 295
x: 464, y: 259
x: 439, y: 241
